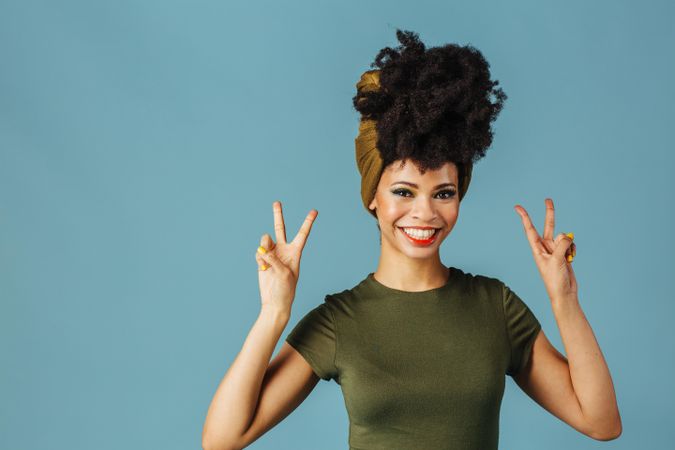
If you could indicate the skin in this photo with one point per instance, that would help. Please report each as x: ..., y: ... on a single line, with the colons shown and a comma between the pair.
x: 578, y: 389
x: 402, y: 264
x: 256, y: 394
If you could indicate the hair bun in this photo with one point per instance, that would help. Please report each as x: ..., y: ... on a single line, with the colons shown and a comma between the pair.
x: 371, y: 100
x: 432, y: 105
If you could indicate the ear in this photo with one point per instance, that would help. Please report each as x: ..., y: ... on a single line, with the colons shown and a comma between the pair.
x: 373, y: 204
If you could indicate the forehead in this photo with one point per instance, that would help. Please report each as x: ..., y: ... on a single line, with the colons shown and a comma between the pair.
x: 409, y: 171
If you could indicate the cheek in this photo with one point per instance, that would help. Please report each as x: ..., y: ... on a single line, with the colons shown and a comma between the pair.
x: 451, y: 216
x: 392, y: 211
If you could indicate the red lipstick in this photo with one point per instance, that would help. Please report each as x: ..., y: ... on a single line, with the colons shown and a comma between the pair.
x: 421, y: 242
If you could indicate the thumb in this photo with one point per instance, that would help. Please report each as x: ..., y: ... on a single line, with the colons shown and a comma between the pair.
x: 562, y: 244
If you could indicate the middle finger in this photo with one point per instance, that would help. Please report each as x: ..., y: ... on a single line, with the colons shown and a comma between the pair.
x: 549, y: 221
x: 279, y: 227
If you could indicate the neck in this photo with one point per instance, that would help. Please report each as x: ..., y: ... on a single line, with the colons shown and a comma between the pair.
x: 401, y: 272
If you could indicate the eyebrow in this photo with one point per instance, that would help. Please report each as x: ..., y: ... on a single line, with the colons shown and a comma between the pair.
x: 415, y: 186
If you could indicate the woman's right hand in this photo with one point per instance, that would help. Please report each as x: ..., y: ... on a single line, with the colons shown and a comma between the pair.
x: 279, y: 264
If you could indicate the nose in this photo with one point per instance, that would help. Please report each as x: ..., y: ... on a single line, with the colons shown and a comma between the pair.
x: 423, y: 209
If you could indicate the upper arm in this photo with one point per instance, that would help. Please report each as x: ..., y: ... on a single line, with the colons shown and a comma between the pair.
x: 546, y: 379
x: 288, y: 380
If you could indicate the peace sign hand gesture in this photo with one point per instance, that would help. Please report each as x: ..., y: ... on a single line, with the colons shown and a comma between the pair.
x: 279, y: 263
x: 553, y: 257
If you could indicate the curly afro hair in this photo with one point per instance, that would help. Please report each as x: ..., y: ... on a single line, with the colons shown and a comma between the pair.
x: 434, y: 105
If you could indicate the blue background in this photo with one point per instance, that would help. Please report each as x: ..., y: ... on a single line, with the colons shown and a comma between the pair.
x: 142, y: 144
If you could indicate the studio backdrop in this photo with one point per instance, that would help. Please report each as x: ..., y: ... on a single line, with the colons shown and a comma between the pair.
x: 142, y: 144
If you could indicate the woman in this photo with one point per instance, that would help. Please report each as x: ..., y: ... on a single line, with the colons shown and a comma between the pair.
x: 420, y: 350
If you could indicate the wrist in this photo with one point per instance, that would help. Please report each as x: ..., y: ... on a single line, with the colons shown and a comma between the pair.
x: 275, y: 314
x: 564, y: 302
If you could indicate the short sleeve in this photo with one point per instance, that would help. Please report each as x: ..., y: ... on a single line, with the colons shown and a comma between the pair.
x: 314, y: 337
x: 522, y: 328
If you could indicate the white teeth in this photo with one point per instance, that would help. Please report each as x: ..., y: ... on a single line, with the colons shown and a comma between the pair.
x: 419, y: 234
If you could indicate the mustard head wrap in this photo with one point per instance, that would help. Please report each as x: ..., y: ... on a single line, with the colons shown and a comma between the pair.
x: 368, y: 158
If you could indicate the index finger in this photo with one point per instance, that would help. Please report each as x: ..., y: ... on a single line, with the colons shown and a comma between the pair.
x: 279, y: 227
x: 531, y: 231
x: 303, y: 233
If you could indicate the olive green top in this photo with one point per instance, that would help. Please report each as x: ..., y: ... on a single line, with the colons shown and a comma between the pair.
x: 420, y: 370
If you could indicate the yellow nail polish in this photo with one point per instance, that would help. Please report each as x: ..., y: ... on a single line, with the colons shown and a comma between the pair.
x: 261, y: 249
x: 570, y: 258
x: 263, y: 267
x: 570, y: 235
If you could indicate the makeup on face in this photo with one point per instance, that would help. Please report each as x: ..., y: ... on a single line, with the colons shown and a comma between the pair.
x: 422, y: 207
x: 420, y: 236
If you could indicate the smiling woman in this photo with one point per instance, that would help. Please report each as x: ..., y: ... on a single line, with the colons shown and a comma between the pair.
x: 420, y: 349
x: 414, y: 220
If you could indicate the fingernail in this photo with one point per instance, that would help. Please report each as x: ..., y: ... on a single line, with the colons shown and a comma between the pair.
x: 263, y: 267
x: 570, y: 258
x: 261, y: 249
x: 570, y: 235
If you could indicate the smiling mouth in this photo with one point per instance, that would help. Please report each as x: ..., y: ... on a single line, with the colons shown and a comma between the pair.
x: 421, y: 238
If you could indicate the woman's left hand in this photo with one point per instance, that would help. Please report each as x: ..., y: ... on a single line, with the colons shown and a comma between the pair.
x: 551, y: 256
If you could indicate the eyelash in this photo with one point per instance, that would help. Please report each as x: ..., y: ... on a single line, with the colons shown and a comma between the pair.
x: 397, y: 191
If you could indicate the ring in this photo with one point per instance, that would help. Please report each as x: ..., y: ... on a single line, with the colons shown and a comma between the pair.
x: 573, y: 248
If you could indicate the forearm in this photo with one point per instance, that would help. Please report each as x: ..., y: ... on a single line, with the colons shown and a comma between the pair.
x: 588, y: 370
x: 236, y: 398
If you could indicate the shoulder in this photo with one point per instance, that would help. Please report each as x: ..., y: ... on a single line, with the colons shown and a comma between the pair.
x: 349, y: 295
x: 350, y: 301
x: 480, y: 283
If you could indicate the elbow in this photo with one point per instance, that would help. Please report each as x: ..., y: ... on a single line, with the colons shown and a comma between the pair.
x: 207, y: 446
x: 608, y: 435
x: 608, y: 429
x: 208, y: 443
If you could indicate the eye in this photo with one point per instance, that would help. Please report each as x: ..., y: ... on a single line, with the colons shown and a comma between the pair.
x: 401, y: 191
x: 446, y: 194
x: 443, y: 195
